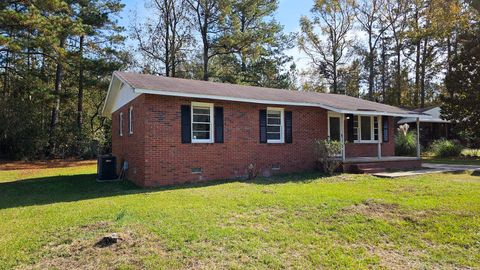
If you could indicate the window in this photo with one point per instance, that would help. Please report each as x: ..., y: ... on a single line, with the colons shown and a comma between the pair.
x: 274, y: 125
x: 130, y: 120
x: 385, y: 128
x: 120, y: 123
x: 202, y: 122
x: 196, y: 170
x: 355, y: 127
x: 366, y: 129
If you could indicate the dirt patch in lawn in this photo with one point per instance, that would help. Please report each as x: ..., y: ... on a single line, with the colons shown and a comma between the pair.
x: 258, y: 219
x: 44, y: 164
x: 387, y: 211
x: 83, y: 252
x: 395, y: 259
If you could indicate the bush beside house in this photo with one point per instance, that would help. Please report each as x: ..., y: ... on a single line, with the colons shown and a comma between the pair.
x: 328, y: 152
x: 446, y: 148
x: 405, y: 142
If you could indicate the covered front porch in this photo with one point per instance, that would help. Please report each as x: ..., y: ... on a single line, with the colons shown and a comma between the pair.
x: 368, y: 142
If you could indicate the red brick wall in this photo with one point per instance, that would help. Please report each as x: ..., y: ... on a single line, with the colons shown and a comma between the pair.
x: 157, y: 156
x: 131, y: 147
x: 168, y: 161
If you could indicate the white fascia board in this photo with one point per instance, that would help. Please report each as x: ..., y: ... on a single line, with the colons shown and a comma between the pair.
x: 424, y: 120
x: 108, y: 94
x: 117, y: 83
x: 272, y: 102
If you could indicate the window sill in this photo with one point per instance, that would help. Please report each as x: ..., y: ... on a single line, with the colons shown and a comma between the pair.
x: 275, y: 142
x: 204, y: 142
x: 366, y: 142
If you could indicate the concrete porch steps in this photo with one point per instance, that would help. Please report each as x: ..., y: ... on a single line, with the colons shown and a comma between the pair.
x: 369, y: 168
x: 373, y: 165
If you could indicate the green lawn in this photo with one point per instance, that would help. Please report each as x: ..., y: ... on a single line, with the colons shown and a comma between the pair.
x: 457, y: 160
x: 52, y: 218
x: 468, y: 157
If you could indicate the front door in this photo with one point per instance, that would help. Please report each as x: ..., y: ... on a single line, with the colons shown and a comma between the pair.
x: 334, y: 127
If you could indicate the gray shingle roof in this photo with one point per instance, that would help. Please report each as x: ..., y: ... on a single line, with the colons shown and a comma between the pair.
x: 153, y: 84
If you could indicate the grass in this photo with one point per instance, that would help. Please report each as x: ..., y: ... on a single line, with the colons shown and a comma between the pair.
x: 52, y: 218
x: 457, y: 161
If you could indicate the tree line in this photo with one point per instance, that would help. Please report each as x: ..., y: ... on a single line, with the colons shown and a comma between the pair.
x: 57, y: 56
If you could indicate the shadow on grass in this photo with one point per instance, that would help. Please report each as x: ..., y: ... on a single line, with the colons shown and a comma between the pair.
x: 55, y: 189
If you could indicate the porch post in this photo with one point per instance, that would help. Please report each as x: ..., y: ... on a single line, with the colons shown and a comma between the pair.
x: 342, y: 135
x: 418, y: 137
x: 380, y: 137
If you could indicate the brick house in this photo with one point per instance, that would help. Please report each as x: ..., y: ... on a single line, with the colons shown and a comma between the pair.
x: 174, y: 130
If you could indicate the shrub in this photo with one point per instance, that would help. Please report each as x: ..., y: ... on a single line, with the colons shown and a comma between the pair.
x: 405, y: 142
x: 446, y: 148
x: 327, y: 152
x: 471, y: 153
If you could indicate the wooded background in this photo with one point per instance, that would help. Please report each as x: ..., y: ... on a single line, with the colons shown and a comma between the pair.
x: 56, y: 59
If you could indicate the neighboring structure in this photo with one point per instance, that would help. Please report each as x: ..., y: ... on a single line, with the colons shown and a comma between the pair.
x: 432, y: 128
x: 174, y: 130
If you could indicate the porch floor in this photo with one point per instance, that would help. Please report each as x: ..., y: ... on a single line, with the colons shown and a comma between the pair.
x: 376, y: 159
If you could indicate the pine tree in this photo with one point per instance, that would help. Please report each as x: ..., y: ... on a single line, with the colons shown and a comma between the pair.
x: 462, y: 101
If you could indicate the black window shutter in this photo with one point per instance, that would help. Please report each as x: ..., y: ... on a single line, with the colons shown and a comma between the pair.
x: 186, y: 124
x: 385, y: 128
x: 288, y: 127
x: 263, y: 126
x: 350, y: 127
x: 218, y: 118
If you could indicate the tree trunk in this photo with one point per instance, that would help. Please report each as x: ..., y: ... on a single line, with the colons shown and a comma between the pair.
x: 80, y: 95
x: 5, y: 76
x: 417, y: 74
x: 384, y: 70
x: 399, y: 76
x: 371, y: 77
x: 56, y: 105
x: 335, y: 75
x: 423, y: 71
x: 167, y: 38
x: 173, y: 42
x: 173, y: 52
x: 206, y: 47
x: 417, y: 62
x: 205, y: 63
x: 242, y: 54
x: 371, y: 67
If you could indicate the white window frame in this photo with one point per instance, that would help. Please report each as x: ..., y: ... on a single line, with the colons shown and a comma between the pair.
x: 372, y: 129
x: 282, y: 125
x: 130, y: 122
x: 212, y: 136
x: 120, y: 123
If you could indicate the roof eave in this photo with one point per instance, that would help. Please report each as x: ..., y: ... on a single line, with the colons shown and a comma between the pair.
x: 107, y: 96
x: 109, y: 92
x: 272, y: 102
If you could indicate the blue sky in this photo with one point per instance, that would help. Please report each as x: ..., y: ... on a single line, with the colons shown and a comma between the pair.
x: 288, y: 14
